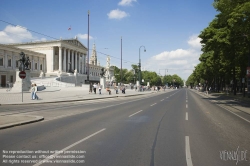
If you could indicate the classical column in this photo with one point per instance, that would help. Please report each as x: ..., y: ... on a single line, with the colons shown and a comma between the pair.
x: 79, y: 63
x: 13, y: 61
x: 52, y: 59
x: 84, y: 64
x: 44, y: 65
x: 72, y: 60
x: 31, y: 61
x: 38, y: 63
x: 64, y: 60
x: 5, y: 60
x: 68, y: 60
x: 60, y: 59
x: 76, y: 65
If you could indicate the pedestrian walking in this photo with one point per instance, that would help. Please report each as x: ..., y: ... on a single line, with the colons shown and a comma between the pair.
x: 94, y: 86
x: 123, y: 89
x: 116, y: 90
x: 100, y: 89
x: 32, y: 90
x: 35, y: 95
x: 90, y: 88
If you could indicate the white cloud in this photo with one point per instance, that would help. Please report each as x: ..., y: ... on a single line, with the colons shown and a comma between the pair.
x: 16, y: 34
x: 179, y: 61
x: 194, y: 41
x: 117, y: 14
x: 126, y: 2
x: 84, y: 36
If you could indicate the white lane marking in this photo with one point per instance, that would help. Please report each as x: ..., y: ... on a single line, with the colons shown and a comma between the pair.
x: 135, y: 113
x: 188, y: 153
x: 68, y: 147
x: 162, y: 99
x: 228, y: 110
x: 186, y: 116
x: 166, y: 97
x: 186, y: 106
x: 62, y: 116
x: 186, y: 101
x: 234, y: 113
x: 153, y: 104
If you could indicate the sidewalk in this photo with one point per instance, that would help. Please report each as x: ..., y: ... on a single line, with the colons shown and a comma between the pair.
x: 51, y: 95
x: 237, y: 102
x: 56, y: 94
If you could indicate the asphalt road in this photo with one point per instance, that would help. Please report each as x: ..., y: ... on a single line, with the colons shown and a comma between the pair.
x: 177, y: 128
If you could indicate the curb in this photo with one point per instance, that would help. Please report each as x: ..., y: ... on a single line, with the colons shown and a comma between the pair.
x: 37, y: 119
x: 73, y: 100
x: 218, y: 102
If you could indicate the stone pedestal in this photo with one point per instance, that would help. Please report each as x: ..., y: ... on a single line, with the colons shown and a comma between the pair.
x: 19, y: 82
x: 137, y: 83
x: 103, y: 82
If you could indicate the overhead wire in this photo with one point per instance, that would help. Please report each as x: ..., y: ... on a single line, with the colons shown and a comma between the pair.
x: 58, y: 39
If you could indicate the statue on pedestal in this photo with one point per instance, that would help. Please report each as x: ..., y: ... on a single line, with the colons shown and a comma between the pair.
x: 102, y: 72
x: 108, y: 61
x: 25, y: 62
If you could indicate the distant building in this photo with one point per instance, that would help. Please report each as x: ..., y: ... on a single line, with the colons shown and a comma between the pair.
x: 51, y: 59
x: 94, y: 67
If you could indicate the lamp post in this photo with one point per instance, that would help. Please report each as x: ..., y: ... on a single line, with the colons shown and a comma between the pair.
x: 121, y: 61
x: 88, y: 51
x: 140, y: 63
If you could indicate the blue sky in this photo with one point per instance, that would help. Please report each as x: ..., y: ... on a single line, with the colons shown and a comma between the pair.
x: 168, y: 29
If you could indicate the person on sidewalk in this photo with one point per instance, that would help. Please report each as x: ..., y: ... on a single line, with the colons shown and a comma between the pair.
x: 35, y: 95
x: 94, y: 86
x: 32, y: 90
x: 123, y: 89
x: 90, y: 88
x: 100, y: 88
x: 108, y: 90
x: 116, y: 90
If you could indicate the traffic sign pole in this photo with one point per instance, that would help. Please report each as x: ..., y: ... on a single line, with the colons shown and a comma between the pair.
x: 22, y: 90
x: 22, y: 75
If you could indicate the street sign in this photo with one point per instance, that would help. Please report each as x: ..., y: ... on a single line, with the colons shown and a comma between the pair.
x: 22, y: 74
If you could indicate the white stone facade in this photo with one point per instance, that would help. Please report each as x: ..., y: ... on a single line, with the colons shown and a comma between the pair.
x: 62, y: 56
x: 9, y: 63
x: 51, y: 59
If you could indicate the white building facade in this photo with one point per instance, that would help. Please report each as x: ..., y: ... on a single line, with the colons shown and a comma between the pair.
x: 57, y: 58
x: 63, y: 56
x: 9, y: 63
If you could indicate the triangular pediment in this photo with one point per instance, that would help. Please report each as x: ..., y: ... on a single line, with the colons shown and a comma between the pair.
x: 76, y: 43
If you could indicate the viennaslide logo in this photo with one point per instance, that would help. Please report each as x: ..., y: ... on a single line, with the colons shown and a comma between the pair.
x: 234, y: 155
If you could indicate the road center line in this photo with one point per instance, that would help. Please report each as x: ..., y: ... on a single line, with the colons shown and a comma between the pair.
x: 162, y: 99
x: 68, y: 147
x: 186, y: 101
x: 153, y: 104
x: 186, y: 116
x: 135, y: 113
x: 186, y: 106
x: 188, y: 153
